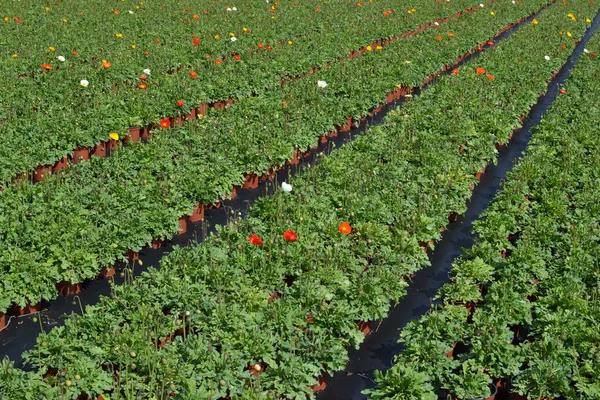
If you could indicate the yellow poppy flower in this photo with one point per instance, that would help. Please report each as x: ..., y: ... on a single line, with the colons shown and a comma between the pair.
x: 114, y: 136
x: 535, y: 22
x: 369, y: 48
x: 119, y: 35
x: 51, y: 49
x: 290, y: 42
x: 569, y: 34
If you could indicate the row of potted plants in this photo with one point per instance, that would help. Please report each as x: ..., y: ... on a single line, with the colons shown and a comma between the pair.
x: 282, y: 288
x: 105, y: 147
x: 521, y: 310
x: 83, y: 219
x: 78, y: 104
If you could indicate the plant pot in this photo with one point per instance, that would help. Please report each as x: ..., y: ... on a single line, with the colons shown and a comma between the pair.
x: 295, y: 159
x: 28, y: 309
x: 42, y: 173
x: 192, y: 115
x: 66, y: 288
x: 2, y: 320
x: 274, y: 297
x: 107, y: 273
x: 63, y: 163
x: 178, y: 121
x: 197, y: 214
x: 390, y: 97
x: 99, y: 150
x: 347, y: 127
x: 134, y: 134
x: 493, y: 391
x: 201, y: 110
x: 218, y: 105
x: 321, y: 385
x: 453, y: 217
x: 132, y: 255
x: 251, y: 181
x: 232, y: 195
x: 80, y: 155
x: 267, y: 176
x: 146, y: 132
x: 364, y: 327
x: 182, y: 225
x: 450, y: 353
x: 113, y: 145
x: 157, y: 243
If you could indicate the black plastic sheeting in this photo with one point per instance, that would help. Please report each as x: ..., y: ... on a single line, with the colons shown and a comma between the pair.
x: 380, y: 346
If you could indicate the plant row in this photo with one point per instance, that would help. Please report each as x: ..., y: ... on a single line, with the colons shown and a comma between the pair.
x: 48, y: 115
x: 268, y: 304
x: 70, y: 226
x: 521, y: 311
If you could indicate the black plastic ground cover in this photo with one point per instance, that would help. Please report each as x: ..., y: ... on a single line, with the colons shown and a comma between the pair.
x: 21, y: 332
x: 379, y: 348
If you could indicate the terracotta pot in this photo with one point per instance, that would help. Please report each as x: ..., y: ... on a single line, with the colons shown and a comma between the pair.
x: 99, y: 150
x: 134, y: 134
x: 107, y: 273
x: 478, y: 174
x: 201, y: 110
x: 364, y: 327
x: 310, y: 319
x: 296, y: 158
x: 113, y: 145
x: 453, y: 217
x: 2, y: 320
x: 157, y: 243
x: 146, y: 132
x: 251, y: 181
x: 390, y: 97
x: 42, y: 173
x: 332, y: 134
x: 63, y: 163
x: 132, y: 255
x: 192, y: 115
x: 197, y: 214
x: 28, y: 309
x: 347, y: 127
x: 182, y: 225
x: 274, y: 297
x: 450, y: 353
x: 267, y: 176
x: 218, y: 105
x: 66, y: 288
x: 322, y: 384
x: 80, y: 155
x: 178, y: 121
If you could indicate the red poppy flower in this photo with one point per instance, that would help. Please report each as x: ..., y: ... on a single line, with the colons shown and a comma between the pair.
x: 563, y: 47
x: 74, y: 53
x: 156, y: 40
x: 193, y: 74
x: 563, y: 91
x: 218, y: 62
x: 345, y: 228
x: 142, y: 86
x: 255, y: 240
x: 290, y: 236
x: 237, y: 57
x: 593, y: 54
x: 180, y: 103
x: 143, y: 77
x: 480, y: 71
x: 47, y: 67
x: 165, y: 123
x: 196, y: 42
x: 269, y: 47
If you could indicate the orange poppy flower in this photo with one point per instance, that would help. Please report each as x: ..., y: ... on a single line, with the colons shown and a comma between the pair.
x: 237, y: 57
x: 439, y: 38
x: 255, y: 240
x: 345, y: 228
x: 260, y: 45
x: 74, y: 53
x: 195, y: 16
x: 480, y: 71
x: 142, y: 86
x: 218, y: 62
x: 455, y: 71
x: 290, y: 236
x: 490, y: 77
x: 106, y: 64
x: 47, y: 67
x: 165, y: 123
x: 563, y: 91
x: 193, y: 75
x: 563, y: 47
x: 451, y: 34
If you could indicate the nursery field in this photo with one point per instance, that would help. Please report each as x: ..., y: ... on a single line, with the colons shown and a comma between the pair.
x: 130, y: 123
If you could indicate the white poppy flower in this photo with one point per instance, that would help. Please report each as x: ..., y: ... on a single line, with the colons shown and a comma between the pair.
x: 547, y: 58
x: 322, y: 84
x: 234, y: 8
x: 586, y: 51
x: 147, y: 71
x: 436, y: 23
x: 233, y: 38
x: 481, y: 5
x: 286, y: 187
x: 61, y: 58
x: 84, y: 83
x: 228, y: 8
x: 514, y: 2
x: 130, y: 12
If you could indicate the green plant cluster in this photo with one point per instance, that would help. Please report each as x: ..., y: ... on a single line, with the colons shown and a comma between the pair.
x: 47, y: 116
x: 68, y: 227
x: 289, y: 305
x: 532, y: 275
